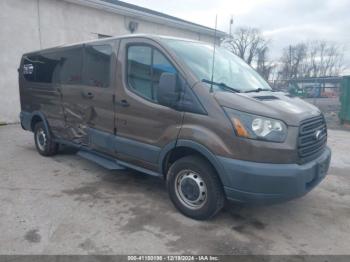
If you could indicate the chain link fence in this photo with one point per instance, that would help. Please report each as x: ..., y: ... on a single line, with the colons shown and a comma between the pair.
x: 323, y: 92
x: 330, y: 108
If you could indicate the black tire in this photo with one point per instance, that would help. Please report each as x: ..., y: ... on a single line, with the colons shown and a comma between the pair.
x: 43, y: 141
x: 214, y: 195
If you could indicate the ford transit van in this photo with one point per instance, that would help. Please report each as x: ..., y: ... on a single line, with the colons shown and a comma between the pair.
x: 159, y: 105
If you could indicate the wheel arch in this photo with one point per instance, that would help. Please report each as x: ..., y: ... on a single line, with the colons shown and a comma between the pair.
x: 181, y: 148
x: 37, y: 117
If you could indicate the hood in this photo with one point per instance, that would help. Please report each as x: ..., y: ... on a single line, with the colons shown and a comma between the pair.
x: 276, y: 105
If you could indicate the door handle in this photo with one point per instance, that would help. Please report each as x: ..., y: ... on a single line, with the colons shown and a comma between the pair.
x: 88, y: 95
x: 124, y: 103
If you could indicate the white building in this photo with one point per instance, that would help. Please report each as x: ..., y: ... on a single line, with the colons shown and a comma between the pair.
x: 28, y: 25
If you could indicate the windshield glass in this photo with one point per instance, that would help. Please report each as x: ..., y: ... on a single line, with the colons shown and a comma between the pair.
x: 228, y: 69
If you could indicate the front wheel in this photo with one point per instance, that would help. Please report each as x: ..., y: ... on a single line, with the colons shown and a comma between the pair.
x: 43, y: 142
x: 194, y: 188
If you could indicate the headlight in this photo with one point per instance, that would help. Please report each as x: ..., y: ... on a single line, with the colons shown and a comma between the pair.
x: 257, y: 127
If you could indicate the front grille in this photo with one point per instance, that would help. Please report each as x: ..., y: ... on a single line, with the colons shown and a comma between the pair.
x: 312, y: 136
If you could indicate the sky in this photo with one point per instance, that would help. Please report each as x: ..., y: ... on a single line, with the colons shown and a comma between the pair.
x: 283, y: 22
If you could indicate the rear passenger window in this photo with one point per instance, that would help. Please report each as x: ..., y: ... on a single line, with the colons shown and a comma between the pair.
x: 71, y: 64
x: 41, y: 68
x: 144, y: 68
x: 97, y: 64
x: 29, y: 63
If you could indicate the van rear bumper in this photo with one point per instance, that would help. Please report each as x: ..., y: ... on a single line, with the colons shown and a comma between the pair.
x: 260, y: 183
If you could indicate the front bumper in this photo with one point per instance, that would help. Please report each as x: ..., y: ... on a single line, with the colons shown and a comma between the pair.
x: 252, y: 182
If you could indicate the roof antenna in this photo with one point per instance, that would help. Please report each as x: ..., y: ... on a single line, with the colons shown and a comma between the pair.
x: 213, y: 63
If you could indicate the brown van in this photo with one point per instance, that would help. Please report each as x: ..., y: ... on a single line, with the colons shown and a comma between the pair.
x: 158, y: 105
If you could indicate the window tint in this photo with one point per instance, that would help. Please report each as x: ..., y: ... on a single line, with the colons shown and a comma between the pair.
x: 41, y: 68
x: 71, y: 61
x: 139, y: 70
x: 160, y: 65
x: 145, y: 66
x: 28, y: 68
x: 97, y: 64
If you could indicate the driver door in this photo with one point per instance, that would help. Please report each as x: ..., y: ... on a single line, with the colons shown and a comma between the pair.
x: 144, y: 127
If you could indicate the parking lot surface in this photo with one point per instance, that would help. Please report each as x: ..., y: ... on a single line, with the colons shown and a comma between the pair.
x: 68, y: 205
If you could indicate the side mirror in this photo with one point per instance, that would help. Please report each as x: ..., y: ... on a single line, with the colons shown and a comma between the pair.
x: 168, y: 94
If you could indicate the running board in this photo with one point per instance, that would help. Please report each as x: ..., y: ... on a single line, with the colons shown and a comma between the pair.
x: 107, y: 163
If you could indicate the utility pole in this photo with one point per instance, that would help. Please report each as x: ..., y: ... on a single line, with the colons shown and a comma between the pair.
x: 290, y: 62
x: 231, y: 23
x: 39, y: 24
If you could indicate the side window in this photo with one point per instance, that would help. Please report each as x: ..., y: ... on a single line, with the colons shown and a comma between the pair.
x: 144, y: 68
x: 97, y: 65
x: 41, y: 68
x: 29, y: 64
x: 160, y: 65
x: 139, y: 70
x: 71, y: 66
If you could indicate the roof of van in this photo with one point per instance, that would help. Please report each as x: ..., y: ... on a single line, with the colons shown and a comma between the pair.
x: 150, y: 36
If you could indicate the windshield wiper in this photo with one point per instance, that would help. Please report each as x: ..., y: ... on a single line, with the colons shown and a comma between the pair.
x: 257, y: 90
x: 222, y: 85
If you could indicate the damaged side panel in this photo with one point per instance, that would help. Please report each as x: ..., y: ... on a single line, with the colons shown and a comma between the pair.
x: 73, y: 87
x: 87, y: 90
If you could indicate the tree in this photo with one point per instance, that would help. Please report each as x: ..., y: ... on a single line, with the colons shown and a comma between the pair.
x: 324, y: 59
x: 263, y: 66
x: 313, y: 59
x: 246, y: 42
x: 292, y: 61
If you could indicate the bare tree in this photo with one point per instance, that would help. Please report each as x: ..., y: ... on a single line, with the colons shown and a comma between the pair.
x: 263, y: 66
x: 292, y: 61
x: 324, y: 59
x: 314, y: 59
x: 246, y: 43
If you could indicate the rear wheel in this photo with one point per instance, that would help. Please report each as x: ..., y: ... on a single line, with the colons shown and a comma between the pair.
x: 195, y: 188
x: 43, y: 142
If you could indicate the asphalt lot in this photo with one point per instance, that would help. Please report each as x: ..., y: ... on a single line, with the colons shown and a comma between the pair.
x: 68, y: 205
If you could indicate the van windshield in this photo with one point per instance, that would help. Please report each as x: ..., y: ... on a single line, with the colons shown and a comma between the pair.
x: 229, y: 70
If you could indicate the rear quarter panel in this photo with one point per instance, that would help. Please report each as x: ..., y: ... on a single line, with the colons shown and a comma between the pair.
x: 44, y: 98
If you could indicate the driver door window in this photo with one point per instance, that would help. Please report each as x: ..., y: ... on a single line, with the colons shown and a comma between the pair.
x: 145, y: 65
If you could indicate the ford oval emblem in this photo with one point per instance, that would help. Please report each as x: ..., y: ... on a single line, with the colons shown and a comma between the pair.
x: 318, y: 134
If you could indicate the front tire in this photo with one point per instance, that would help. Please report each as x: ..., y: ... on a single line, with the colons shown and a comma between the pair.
x: 43, y: 142
x: 194, y: 188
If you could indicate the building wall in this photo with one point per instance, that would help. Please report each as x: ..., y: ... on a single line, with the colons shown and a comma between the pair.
x: 28, y: 25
